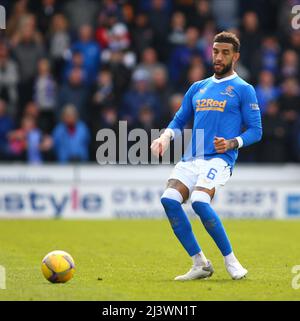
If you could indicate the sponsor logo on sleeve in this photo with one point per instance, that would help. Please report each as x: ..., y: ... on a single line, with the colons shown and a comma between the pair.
x: 254, y: 106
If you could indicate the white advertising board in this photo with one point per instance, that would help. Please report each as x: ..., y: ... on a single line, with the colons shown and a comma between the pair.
x: 134, y: 192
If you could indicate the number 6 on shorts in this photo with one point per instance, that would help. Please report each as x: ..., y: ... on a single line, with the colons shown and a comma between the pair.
x: 212, y: 173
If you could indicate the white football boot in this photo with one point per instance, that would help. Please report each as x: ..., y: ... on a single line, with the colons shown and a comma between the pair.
x: 235, y: 270
x: 197, y: 272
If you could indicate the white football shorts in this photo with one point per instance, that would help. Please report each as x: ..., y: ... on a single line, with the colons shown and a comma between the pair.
x: 202, y: 173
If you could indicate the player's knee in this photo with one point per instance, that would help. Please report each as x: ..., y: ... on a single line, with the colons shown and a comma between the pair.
x: 201, y: 204
x: 171, y: 199
x: 200, y: 196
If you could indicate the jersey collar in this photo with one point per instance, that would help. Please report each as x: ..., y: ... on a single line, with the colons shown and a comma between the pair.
x: 214, y: 79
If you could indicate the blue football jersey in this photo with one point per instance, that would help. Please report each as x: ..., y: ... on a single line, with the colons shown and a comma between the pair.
x: 222, y: 108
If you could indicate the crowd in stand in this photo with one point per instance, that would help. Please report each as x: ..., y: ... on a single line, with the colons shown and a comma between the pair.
x: 69, y: 68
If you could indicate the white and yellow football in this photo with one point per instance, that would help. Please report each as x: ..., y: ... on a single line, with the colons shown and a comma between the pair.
x: 58, y: 267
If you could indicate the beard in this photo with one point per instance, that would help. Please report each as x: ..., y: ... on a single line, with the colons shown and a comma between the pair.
x: 224, y: 70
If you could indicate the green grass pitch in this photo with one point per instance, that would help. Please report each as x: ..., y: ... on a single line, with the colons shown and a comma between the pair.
x: 137, y: 260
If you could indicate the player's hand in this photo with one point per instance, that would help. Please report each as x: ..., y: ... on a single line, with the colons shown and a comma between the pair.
x: 160, y: 145
x: 221, y: 145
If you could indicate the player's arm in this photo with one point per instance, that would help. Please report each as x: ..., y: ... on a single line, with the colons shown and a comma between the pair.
x: 252, y: 120
x: 183, y: 115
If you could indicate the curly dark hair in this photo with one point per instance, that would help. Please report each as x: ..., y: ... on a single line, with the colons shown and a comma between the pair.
x: 228, y: 37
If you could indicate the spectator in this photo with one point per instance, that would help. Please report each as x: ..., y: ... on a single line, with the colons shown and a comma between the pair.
x: 142, y: 34
x: 225, y: 13
x: 90, y: 51
x: 118, y: 37
x: 27, y: 52
x: 290, y: 64
x: 120, y: 72
x: 266, y: 91
x: 201, y: 15
x: 105, y: 23
x: 111, y: 8
x: 106, y: 118
x: 138, y: 97
x: 80, y: 12
x: 149, y: 62
x: 272, y: 147
x: 177, y: 36
x: 28, y: 21
x: 45, y: 96
x: 19, y: 11
x: 118, y: 40
x: 146, y: 119
x: 31, y: 109
x: 103, y: 96
x: 46, y: 11
x: 25, y: 142
x: 195, y: 71
x: 161, y: 84
x: 175, y: 102
x: 159, y: 22
x: 8, y: 79
x: 75, y: 92
x: 205, y: 43
x: 268, y: 55
x: 294, y: 41
x: 75, y: 60
x: 71, y: 137
x: 242, y: 71
x: 59, y: 42
x: 109, y: 118
x: 194, y: 74
x: 181, y: 56
x: 289, y: 102
x: 6, y: 126
x: 104, y: 90
x: 250, y: 40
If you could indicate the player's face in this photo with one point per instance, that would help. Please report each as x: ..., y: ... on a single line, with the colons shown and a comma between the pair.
x: 223, y: 58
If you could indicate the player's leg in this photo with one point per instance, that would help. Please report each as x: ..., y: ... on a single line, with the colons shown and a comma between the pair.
x: 175, y: 194
x: 201, y: 198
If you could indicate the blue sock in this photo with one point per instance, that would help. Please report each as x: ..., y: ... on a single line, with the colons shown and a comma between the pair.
x: 213, y: 225
x: 181, y: 225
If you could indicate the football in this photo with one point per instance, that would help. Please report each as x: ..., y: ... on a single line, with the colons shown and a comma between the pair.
x: 58, y: 267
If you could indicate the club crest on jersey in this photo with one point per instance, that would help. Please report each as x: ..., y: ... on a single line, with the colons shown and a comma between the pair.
x: 202, y: 90
x: 228, y: 91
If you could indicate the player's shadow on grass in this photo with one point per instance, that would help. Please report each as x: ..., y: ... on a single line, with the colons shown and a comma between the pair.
x: 205, y: 281
x: 226, y: 280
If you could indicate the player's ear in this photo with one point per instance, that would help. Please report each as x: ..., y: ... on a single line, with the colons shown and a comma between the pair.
x: 236, y: 56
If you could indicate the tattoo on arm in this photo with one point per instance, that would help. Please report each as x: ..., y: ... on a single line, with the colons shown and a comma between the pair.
x: 233, y: 143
